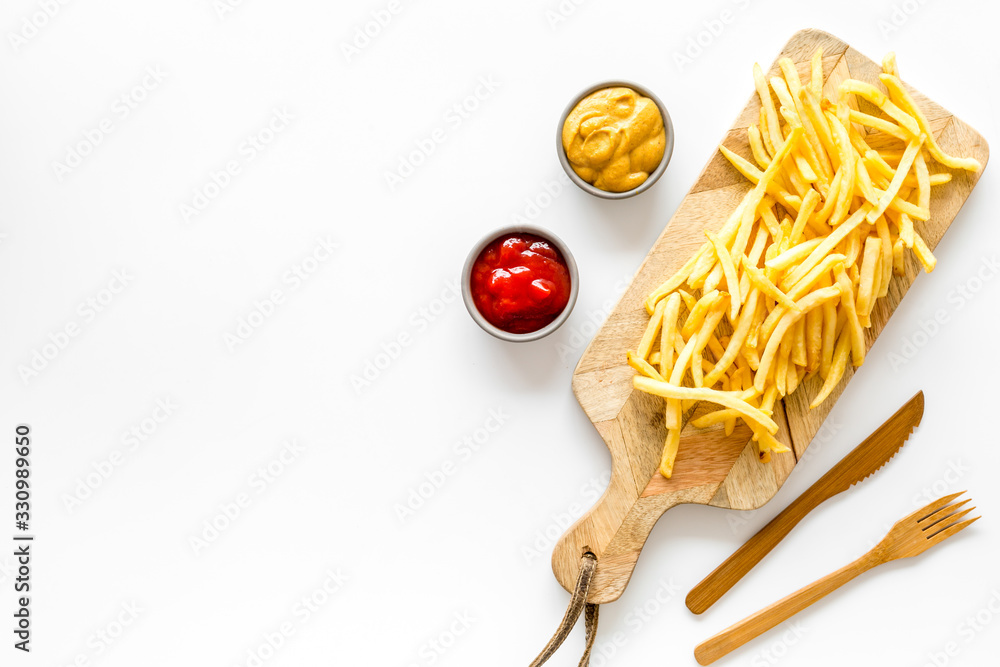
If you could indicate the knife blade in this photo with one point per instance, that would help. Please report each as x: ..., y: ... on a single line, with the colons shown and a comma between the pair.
x: 863, y: 461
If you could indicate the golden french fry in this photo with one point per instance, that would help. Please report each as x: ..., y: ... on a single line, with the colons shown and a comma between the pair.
x: 811, y: 160
x: 829, y: 243
x: 792, y: 377
x: 879, y: 124
x: 829, y: 263
x: 771, y: 129
x: 923, y: 181
x: 799, y: 357
x: 765, y: 137
x: 672, y: 416
x: 652, y: 329
x: 729, y: 271
x: 897, y: 180
x: 670, y: 448
x: 793, y: 255
x: 688, y: 298
x: 805, y: 304
x: 756, y: 142
x: 889, y: 64
x: 781, y: 366
x: 682, y: 364
x: 716, y: 417
x: 814, y: 339
x: 819, y: 219
x: 836, y: 370
x: 714, y: 279
x: 905, y: 225
x: 829, y: 337
x: 750, y: 210
x: 806, y: 172
x: 770, y: 445
x: 854, y: 245
x: 770, y: 221
x: 711, y: 321
x: 643, y: 366
x: 864, y: 182
x: 900, y: 94
x: 768, y: 399
x: 707, y: 259
x: 675, y: 281
x: 898, y: 265
x: 865, y: 317
x: 791, y: 81
x: 847, y: 163
x: 932, y: 180
x: 902, y: 206
x: 754, y: 175
x: 752, y: 337
x: 814, y: 277
x: 743, y: 325
x: 814, y: 153
x: 847, y: 303
x: 668, y: 331
x: 879, y: 99
x: 809, y: 204
x: 811, y: 104
x: 880, y: 170
x: 923, y: 253
x: 715, y: 347
x: 729, y: 399
x: 800, y: 264
x: 882, y: 229
x: 753, y: 258
x: 816, y: 69
x: 761, y: 281
x: 741, y: 379
x: 697, y: 315
x: 869, y: 263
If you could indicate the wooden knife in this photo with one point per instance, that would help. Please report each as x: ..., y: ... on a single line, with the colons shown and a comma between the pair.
x: 864, y: 460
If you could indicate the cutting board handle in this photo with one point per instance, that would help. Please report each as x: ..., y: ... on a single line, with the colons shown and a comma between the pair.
x: 616, y: 528
x: 617, y: 548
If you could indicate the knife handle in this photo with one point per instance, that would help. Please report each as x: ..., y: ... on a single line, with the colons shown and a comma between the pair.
x: 724, y: 577
x: 757, y: 624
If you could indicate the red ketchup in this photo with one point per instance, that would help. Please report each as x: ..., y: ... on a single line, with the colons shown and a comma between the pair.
x: 520, y: 283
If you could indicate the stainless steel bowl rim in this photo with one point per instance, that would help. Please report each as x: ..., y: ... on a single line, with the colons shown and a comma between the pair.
x: 668, y: 149
x: 574, y: 277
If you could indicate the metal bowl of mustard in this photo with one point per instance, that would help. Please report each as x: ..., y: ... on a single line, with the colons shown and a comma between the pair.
x: 646, y: 182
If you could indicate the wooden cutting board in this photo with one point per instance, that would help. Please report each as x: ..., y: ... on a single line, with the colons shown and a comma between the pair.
x: 712, y: 469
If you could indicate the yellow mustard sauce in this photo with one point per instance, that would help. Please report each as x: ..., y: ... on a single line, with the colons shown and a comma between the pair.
x: 614, y: 138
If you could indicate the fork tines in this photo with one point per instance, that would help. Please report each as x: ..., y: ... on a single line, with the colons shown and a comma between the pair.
x: 941, y: 519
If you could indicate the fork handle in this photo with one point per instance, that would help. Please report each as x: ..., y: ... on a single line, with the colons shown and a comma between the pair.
x: 734, y: 568
x: 757, y: 624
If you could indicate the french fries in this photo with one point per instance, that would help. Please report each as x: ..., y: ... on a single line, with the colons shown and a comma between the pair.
x: 787, y: 286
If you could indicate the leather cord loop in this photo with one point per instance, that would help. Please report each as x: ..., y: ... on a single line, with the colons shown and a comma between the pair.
x: 578, y: 604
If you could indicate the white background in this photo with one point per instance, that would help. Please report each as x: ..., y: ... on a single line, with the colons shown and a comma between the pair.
x: 478, y: 547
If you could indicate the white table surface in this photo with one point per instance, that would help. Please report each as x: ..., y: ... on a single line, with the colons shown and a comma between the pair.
x: 464, y: 578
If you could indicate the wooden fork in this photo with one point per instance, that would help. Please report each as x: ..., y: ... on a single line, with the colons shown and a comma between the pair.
x: 911, y: 536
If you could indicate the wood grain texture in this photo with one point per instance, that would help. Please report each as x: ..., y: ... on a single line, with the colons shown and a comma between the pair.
x: 910, y: 536
x: 863, y: 461
x: 631, y: 422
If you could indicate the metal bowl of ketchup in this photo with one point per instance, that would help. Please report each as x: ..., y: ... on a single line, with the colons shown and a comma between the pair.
x: 520, y: 283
